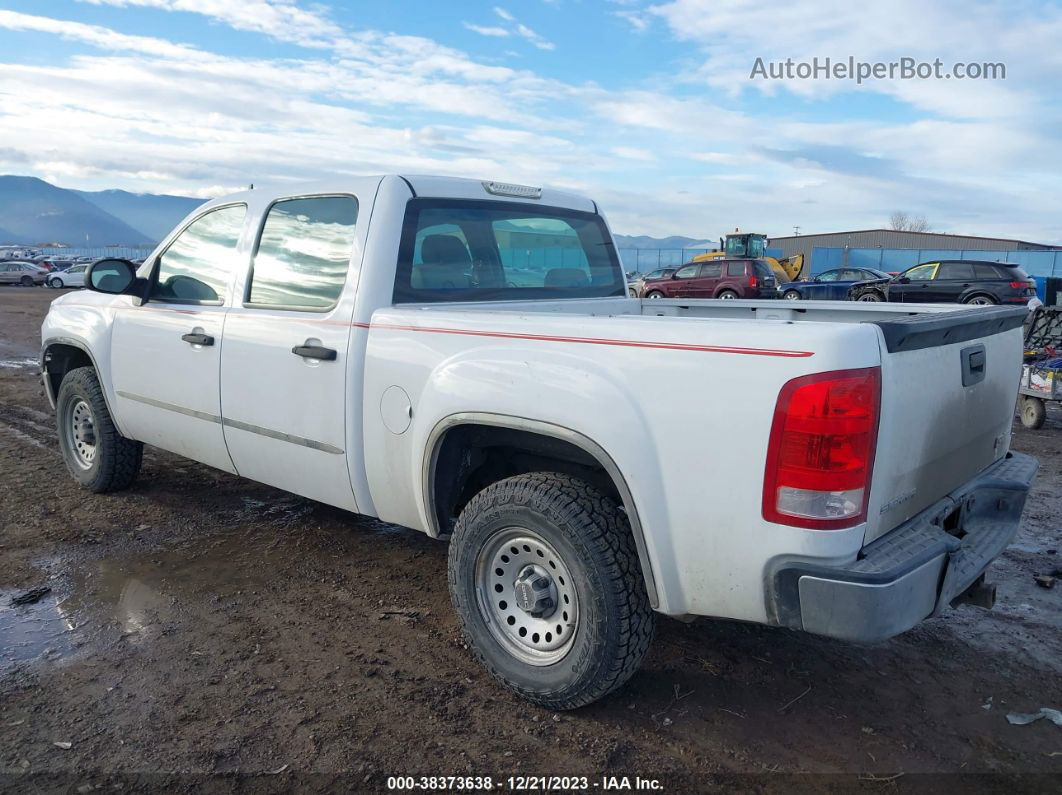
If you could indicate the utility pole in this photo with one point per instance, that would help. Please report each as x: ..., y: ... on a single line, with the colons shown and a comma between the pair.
x: 796, y: 231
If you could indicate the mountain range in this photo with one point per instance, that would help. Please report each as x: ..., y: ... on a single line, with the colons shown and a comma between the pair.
x: 34, y: 212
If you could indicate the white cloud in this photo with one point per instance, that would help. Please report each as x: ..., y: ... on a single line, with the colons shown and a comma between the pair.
x: 280, y: 19
x: 487, y: 30
x: 679, y: 153
x: 519, y: 29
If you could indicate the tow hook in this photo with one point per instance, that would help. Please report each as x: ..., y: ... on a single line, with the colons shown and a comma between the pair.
x: 980, y: 594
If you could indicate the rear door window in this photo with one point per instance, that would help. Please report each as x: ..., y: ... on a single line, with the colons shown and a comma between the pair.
x: 303, y: 253
x: 735, y: 269
x: 986, y: 272
x: 956, y: 271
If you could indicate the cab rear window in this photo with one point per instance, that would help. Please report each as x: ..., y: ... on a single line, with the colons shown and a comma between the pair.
x: 464, y: 250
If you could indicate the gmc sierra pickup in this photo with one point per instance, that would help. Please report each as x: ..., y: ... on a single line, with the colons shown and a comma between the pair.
x: 462, y: 358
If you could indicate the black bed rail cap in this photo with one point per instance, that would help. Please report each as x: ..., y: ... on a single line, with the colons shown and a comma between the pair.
x: 915, y: 332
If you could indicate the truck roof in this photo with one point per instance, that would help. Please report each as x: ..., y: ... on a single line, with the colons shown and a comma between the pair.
x: 428, y: 186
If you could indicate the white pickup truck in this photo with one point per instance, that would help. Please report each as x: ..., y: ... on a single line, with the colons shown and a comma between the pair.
x: 461, y: 357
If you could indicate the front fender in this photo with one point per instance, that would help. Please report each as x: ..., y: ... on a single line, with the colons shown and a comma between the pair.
x: 86, y: 325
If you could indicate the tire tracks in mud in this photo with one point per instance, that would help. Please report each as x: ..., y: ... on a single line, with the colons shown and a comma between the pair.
x: 30, y: 427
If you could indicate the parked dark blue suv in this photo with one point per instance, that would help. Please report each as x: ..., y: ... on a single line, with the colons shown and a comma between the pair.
x: 952, y: 281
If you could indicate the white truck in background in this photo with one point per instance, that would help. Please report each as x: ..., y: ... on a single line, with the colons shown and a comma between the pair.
x: 461, y: 357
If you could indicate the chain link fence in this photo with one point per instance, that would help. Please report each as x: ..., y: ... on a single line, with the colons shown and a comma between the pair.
x: 643, y: 260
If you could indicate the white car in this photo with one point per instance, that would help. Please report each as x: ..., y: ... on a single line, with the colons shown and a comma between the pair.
x: 74, y: 276
x: 592, y: 459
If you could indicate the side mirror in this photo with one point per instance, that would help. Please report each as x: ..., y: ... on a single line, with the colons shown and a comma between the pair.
x: 902, y: 280
x: 111, y: 276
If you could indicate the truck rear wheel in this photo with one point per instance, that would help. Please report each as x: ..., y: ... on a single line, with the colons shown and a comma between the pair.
x: 98, y: 457
x: 544, y: 576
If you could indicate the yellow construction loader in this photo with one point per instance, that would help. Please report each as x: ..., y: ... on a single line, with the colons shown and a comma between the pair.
x: 748, y: 245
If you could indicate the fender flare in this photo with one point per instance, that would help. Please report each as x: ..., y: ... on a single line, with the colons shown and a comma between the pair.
x: 73, y: 343
x: 588, y: 445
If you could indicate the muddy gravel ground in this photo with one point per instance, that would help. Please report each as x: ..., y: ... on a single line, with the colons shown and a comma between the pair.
x: 202, y: 630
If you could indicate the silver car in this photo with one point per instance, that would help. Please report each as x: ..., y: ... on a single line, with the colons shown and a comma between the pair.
x: 25, y: 273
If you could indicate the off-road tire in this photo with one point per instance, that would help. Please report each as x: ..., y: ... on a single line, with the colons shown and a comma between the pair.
x: 594, y: 539
x: 117, y: 459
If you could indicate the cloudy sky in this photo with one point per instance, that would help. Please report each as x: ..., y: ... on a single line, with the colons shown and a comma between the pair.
x: 648, y: 106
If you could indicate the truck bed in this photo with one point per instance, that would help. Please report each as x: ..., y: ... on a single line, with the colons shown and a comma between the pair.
x: 697, y: 394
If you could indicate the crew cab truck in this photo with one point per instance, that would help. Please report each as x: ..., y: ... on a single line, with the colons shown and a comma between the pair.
x: 461, y: 357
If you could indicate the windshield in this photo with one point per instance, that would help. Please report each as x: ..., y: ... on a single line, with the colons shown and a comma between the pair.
x: 464, y: 250
x: 746, y: 247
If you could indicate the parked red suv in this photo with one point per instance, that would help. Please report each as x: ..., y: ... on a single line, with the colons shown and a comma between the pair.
x: 740, y: 278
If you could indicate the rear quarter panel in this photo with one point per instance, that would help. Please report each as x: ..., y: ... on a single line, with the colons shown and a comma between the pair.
x: 682, y: 406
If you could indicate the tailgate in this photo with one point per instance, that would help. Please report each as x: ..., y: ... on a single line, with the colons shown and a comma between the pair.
x: 949, y: 384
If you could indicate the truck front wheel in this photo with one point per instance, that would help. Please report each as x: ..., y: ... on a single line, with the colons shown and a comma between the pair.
x: 544, y: 576
x: 98, y: 457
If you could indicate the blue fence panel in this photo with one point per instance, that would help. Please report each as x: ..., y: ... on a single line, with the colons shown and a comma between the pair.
x: 865, y: 257
x: 936, y: 254
x: 899, y: 259
x: 988, y: 256
x: 823, y: 259
x: 1041, y: 287
x: 1036, y: 263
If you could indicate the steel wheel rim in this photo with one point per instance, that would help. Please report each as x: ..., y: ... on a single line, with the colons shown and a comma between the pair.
x: 506, y: 567
x: 82, y: 427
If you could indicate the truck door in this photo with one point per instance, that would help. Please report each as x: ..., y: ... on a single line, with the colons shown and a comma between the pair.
x: 284, y: 395
x: 165, y: 354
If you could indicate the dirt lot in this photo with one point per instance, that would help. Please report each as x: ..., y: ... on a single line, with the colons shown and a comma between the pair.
x: 199, y: 624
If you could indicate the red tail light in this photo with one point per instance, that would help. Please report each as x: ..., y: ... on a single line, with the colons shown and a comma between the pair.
x: 821, y: 450
x: 752, y: 282
x: 1022, y: 285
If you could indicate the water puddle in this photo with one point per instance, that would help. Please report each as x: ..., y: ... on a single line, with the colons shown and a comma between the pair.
x: 135, y: 598
x: 28, y: 632
x: 18, y: 364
